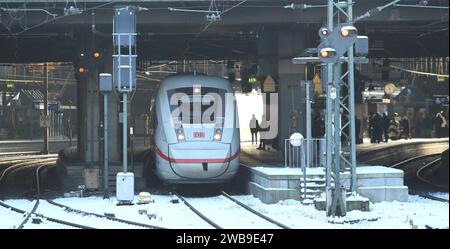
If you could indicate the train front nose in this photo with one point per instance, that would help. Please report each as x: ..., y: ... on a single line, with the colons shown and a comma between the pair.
x: 200, y: 160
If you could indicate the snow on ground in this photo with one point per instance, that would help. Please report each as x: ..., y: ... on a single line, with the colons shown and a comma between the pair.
x: 11, y: 219
x: 168, y: 215
x: 228, y: 214
x: 442, y: 195
x: 418, y: 211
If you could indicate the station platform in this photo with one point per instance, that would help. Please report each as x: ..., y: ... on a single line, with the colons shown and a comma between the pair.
x: 366, y: 153
x: 270, y: 181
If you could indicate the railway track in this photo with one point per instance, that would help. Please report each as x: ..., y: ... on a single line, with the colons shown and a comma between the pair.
x: 412, y: 159
x: 421, y: 177
x: 418, y: 174
x: 19, y: 153
x: 258, y: 218
x: 39, y: 166
x: 33, y: 213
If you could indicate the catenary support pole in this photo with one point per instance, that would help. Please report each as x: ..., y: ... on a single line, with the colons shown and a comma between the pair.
x: 125, y: 133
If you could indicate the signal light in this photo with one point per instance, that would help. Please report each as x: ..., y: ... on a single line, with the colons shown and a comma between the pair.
x: 97, y: 55
x: 327, y: 52
x: 348, y: 31
x: 81, y: 70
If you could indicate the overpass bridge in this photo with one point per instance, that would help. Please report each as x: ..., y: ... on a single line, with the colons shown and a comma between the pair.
x: 46, y: 30
x: 263, y: 31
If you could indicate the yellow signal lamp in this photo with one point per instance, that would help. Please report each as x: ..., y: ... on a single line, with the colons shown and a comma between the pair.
x: 97, y: 55
x: 348, y: 31
x: 327, y: 52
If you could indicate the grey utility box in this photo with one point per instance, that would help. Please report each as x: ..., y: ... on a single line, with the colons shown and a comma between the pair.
x: 105, y: 82
x: 362, y: 45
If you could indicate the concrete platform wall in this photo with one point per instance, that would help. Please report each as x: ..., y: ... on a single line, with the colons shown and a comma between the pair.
x: 377, y: 183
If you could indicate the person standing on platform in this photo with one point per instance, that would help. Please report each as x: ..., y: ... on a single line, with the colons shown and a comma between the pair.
x: 377, y: 128
x: 405, y: 127
x: 263, y: 128
x: 371, y: 127
x: 437, y: 125
x: 385, y: 123
x: 440, y: 124
x: 254, y: 124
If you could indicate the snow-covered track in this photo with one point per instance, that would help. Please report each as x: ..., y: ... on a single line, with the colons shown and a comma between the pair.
x: 255, y: 212
x: 224, y: 211
x: 421, y: 178
x: 209, y: 221
x: 35, y: 206
x: 81, y: 212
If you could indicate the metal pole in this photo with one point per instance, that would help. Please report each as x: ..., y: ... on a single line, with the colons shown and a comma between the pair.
x: 351, y: 103
x: 329, y: 67
x: 45, y: 150
x: 308, y: 123
x: 105, y: 143
x: 125, y: 133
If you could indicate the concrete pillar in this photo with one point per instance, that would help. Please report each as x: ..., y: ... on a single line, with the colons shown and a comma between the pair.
x: 275, y: 52
x: 91, y: 120
x: 90, y: 104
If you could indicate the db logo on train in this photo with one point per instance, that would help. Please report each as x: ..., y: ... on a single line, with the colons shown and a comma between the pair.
x: 199, y: 134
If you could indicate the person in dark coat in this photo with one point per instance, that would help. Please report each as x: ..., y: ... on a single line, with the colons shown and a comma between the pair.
x: 371, y: 127
x: 377, y: 128
x: 385, y: 123
x: 405, y: 128
x: 263, y: 129
x: 440, y: 124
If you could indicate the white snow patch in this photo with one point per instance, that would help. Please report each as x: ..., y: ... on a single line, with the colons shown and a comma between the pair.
x: 418, y: 211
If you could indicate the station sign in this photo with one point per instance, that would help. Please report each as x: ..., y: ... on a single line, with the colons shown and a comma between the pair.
x: 53, y: 106
x: 269, y: 85
x: 44, y: 121
x: 441, y: 100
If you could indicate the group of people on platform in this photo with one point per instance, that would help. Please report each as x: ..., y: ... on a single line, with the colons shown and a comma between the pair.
x: 380, y: 128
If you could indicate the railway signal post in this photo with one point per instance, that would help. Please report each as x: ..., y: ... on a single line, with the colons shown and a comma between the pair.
x: 124, y: 78
x: 336, y: 41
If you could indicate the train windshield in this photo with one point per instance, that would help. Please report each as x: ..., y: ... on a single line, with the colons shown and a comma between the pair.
x: 197, y: 105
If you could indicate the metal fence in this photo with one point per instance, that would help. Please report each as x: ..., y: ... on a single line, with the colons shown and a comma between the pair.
x: 311, y: 152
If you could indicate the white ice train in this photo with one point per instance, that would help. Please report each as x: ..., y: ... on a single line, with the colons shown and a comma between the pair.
x: 196, y: 134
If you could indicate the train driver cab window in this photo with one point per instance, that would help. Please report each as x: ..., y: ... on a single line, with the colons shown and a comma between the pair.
x: 201, y: 105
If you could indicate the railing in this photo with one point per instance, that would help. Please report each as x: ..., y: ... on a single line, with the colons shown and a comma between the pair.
x: 311, y: 152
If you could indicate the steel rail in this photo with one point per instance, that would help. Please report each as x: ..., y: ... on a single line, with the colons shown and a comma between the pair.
x: 255, y: 212
x: 69, y: 209
x: 209, y: 221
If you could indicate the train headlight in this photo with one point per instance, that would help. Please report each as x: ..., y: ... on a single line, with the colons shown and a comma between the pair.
x: 218, y: 134
x: 180, y: 134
